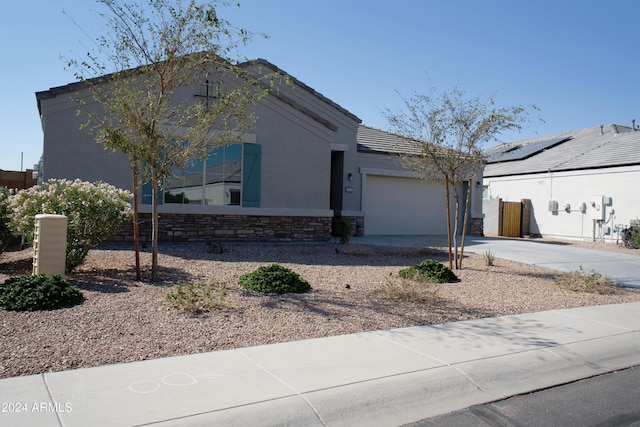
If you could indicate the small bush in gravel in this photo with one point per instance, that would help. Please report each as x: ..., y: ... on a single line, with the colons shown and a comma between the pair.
x: 636, y: 237
x: 38, y: 292
x: 489, y: 258
x: 581, y: 281
x: 214, y: 247
x: 274, y: 279
x: 429, y: 270
x: 410, y: 290
x: 196, y: 297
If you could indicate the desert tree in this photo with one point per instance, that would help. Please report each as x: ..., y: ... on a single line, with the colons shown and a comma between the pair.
x: 140, y: 68
x: 443, y: 136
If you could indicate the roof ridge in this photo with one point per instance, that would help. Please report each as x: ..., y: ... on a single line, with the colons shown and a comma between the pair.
x: 597, y: 147
x: 305, y: 86
x: 52, y: 92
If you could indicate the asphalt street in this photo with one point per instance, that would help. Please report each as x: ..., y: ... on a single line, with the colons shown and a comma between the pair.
x: 605, y: 400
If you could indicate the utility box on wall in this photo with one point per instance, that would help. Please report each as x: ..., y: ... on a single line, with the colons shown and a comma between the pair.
x: 597, y: 208
x: 50, y: 244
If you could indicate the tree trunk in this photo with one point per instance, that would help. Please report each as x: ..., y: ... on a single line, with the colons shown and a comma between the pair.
x: 154, y: 227
x: 446, y: 190
x: 136, y: 232
x: 466, y: 219
x: 455, y: 227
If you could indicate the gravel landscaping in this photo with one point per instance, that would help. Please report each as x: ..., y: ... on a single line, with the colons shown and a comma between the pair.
x: 122, y: 320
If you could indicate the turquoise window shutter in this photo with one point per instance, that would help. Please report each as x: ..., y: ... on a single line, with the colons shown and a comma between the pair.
x: 251, y: 176
x: 147, y: 192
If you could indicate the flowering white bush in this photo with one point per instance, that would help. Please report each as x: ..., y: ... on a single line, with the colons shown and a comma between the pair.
x: 5, y: 232
x: 94, y: 212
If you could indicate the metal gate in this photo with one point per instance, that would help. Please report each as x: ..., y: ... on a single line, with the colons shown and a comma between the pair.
x: 511, y: 219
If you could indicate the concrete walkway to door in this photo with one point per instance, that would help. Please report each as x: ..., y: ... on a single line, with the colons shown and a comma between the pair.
x: 621, y: 268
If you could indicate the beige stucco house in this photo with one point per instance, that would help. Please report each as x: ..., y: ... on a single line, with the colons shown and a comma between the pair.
x: 306, y: 162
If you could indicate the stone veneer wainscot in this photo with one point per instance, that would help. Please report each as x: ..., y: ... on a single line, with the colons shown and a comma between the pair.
x: 241, y: 228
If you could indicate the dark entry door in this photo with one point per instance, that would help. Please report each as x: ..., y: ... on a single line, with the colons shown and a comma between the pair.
x: 337, y: 167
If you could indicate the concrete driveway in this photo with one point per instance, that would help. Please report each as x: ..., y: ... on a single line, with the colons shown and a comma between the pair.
x: 621, y: 268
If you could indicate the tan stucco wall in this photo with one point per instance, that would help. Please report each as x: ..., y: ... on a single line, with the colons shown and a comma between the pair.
x: 70, y: 152
x: 296, y: 148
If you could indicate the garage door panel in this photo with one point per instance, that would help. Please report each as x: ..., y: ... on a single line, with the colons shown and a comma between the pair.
x: 403, y: 206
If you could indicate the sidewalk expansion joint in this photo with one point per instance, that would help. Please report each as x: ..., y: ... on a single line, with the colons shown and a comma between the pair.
x: 445, y: 363
x: 46, y: 385
x: 281, y: 381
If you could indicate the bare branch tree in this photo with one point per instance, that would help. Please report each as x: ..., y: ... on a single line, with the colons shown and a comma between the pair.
x: 151, y: 51
x: 443, y: 136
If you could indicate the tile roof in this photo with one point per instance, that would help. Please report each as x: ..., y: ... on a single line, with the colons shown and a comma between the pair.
x: 371, y: 140
x: 591, y: 148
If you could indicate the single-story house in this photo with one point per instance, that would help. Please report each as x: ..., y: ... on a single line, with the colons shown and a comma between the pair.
x: 578, y: 185
x: 306, y: 162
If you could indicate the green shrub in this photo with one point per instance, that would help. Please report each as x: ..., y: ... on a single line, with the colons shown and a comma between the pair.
x: 5, y: 232
x: 345, y: 233
x: 341, y: 227
x: 581, y: 281
x: 635, y: 236
x: 94, y: 213
x: 214, y: 247
x: 39, y: 292
x: 196, y: 298
x: 274, y: 279
x: 429, y: 270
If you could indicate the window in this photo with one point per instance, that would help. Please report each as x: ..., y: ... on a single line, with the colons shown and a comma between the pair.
x: 230, y: 176
x: 209, y: 182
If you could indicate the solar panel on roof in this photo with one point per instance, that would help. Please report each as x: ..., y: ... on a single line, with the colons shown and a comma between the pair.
x: 522, y: 152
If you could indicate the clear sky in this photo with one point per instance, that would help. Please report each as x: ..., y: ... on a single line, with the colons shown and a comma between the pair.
x: 577, y: 60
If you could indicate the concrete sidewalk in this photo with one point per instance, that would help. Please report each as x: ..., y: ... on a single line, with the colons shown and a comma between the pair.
x: 621, y: 268
x: 382, y: 378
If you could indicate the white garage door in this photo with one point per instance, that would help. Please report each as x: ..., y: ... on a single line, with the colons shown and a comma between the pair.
x: 403, y: 206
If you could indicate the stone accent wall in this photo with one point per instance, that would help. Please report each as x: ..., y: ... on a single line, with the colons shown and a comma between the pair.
x: 476, y: 226
x: 231, y: 228
x: 357, y: 225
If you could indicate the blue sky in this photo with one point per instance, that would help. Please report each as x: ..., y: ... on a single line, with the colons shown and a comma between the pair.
x: 577, y: 60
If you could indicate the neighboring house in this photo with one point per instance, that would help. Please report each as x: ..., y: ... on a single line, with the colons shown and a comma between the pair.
x: 579, y: 185
x: 306, y: 163
x: 15, y: 180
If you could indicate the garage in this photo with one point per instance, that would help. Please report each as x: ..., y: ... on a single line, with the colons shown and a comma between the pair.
x: 403, y: 206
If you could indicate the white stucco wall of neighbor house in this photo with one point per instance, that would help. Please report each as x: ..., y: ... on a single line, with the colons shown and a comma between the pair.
x: 579, y: 197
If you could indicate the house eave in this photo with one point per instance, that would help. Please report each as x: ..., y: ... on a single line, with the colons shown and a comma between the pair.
x: 586, y: 168
x: 275, y: 68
